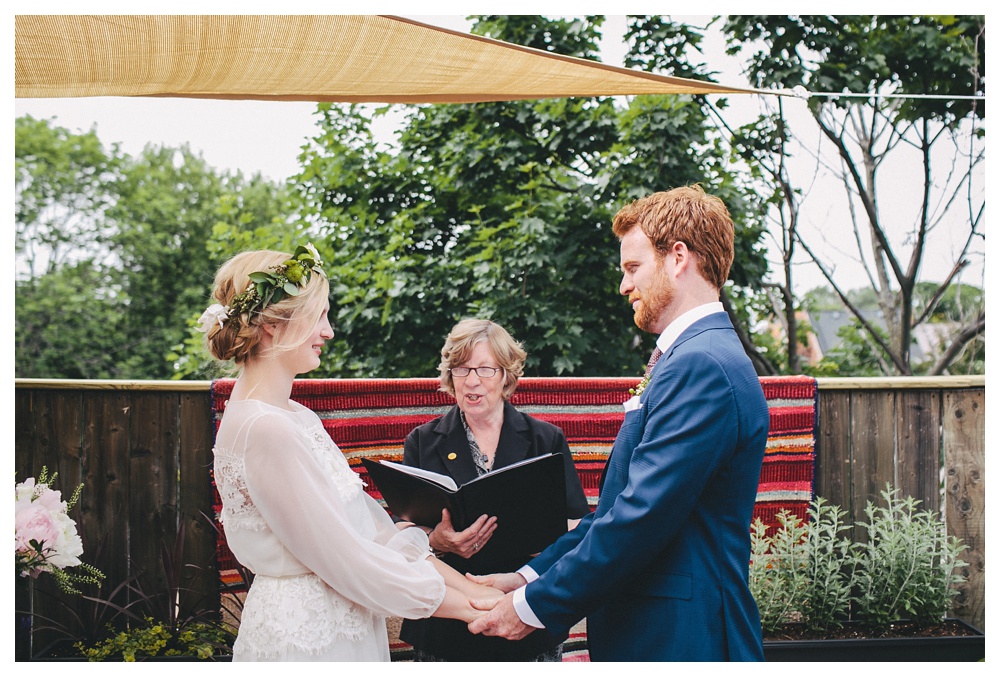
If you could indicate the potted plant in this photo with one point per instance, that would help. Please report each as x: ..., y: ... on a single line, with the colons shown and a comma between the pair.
x: 885, y: 598
x: 127, y: 622
x: 45, y: 541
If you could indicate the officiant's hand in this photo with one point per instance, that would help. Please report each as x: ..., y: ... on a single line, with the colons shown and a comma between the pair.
x: 444, y: 538
x: 502, y: 582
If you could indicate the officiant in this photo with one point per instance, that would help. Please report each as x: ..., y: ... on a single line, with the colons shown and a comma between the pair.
x: 480, y: 367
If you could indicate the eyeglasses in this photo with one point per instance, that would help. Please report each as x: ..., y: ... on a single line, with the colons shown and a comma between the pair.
x: 481, y: 372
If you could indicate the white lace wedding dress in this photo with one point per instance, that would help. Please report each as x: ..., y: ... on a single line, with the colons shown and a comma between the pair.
x: 330, y: 563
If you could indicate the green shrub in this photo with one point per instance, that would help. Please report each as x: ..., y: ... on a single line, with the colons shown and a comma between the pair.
x: 777, y: 571
x: 906, y: 566
x: 801, y: 573
x: 197, y: 640
x: 809, y: 573
x: 828, y: 595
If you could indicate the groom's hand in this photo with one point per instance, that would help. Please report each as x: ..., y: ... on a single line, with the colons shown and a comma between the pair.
x: 501, y: 621
x: 502, y: 582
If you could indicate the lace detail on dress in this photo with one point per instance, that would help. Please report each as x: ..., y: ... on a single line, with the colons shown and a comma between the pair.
x: 300, y: 613
x: 335, y: 465
x: 238, y: 510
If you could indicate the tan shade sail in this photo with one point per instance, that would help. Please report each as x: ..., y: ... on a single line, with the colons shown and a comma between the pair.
x: 303, y: 58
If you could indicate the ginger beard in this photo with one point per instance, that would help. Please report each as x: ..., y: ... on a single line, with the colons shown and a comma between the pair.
x: 653, y: 301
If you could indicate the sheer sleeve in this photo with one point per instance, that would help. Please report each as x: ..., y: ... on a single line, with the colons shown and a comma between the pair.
x: 412, y: 542
x: 331, y: 534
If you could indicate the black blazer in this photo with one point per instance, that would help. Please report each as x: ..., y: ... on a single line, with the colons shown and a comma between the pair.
x: 521, y: 437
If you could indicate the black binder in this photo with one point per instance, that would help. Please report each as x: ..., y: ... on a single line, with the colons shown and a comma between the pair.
x: 527, y: 498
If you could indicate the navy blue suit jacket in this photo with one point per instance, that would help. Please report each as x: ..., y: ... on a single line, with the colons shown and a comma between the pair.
x: 660, y: 568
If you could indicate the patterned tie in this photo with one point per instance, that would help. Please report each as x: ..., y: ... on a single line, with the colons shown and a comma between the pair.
x: 652, y: 360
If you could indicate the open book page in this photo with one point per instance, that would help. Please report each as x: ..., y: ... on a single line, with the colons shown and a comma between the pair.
x: 507, y: 468
x: 437, y: 478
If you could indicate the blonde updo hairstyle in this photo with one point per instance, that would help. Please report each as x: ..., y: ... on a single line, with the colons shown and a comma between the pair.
x: 239, y: 337
x: 462, y: 340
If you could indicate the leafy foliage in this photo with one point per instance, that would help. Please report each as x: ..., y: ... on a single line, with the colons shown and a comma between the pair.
x: 115, y: 255
x: 810, y: 574
x: 778, y: 570
x: 906, y: 567
x: 67, y: 324
x: 63, y: 185
x: 196, y: 640
x: 501, y: 211
x: 912, y: 54
x: 797, y: 574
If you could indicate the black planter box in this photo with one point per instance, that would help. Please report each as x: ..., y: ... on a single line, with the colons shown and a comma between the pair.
x: 896, y: 649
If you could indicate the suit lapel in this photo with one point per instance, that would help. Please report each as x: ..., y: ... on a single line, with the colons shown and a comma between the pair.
x: 713, y: 321
x: 453, y: 447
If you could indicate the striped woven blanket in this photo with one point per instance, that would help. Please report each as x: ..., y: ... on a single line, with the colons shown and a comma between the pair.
x: 370, y: 418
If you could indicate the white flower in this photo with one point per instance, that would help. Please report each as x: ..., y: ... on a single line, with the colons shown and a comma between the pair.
x: 315, y: 254
x: 214, y: 313
x: 68, y: 546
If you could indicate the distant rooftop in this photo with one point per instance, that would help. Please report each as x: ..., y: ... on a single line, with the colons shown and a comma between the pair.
x: 826, y: 324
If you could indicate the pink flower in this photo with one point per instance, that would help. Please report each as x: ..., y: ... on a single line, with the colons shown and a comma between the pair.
x: 40, y: 516
x: 33, y: 522
x: 50, y: 499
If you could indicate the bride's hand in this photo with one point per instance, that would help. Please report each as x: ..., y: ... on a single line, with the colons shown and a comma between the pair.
x: 504, y: 583
x: 484, y: 602
x: 485, y: 593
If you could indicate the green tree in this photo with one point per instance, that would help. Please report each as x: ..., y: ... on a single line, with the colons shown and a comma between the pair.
x: 162, y: 223
x: 66, y: 316
x: 115, y: 255
x: 67, y: 325
x: 63, y: 183
x: 177, y: 220
x: 501, y: 210
x: 891, y: 57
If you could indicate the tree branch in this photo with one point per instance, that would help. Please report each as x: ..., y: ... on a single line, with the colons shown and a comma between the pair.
x: 900, y: 365
x: 762, y: 365
x: 939, y: 292
x: 866, y: 200
x: 966, y: 335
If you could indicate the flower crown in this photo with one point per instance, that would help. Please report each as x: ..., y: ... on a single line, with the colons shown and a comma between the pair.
x: 287, y: 279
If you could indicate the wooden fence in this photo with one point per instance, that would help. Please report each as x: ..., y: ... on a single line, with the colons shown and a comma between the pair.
x: 925, y: 436
x: 142, y: 449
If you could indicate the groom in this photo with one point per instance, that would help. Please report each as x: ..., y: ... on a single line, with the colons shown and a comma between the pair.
x: 660, y: 568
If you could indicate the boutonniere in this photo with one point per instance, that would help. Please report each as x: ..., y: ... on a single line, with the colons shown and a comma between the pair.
x: 637, y: 390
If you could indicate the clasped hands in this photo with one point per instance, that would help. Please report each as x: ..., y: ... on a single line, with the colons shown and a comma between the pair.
x: 500, y: 619
x: 491, y: 598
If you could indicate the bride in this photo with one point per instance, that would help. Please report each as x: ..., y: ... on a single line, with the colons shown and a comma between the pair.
x: 329, y: 562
